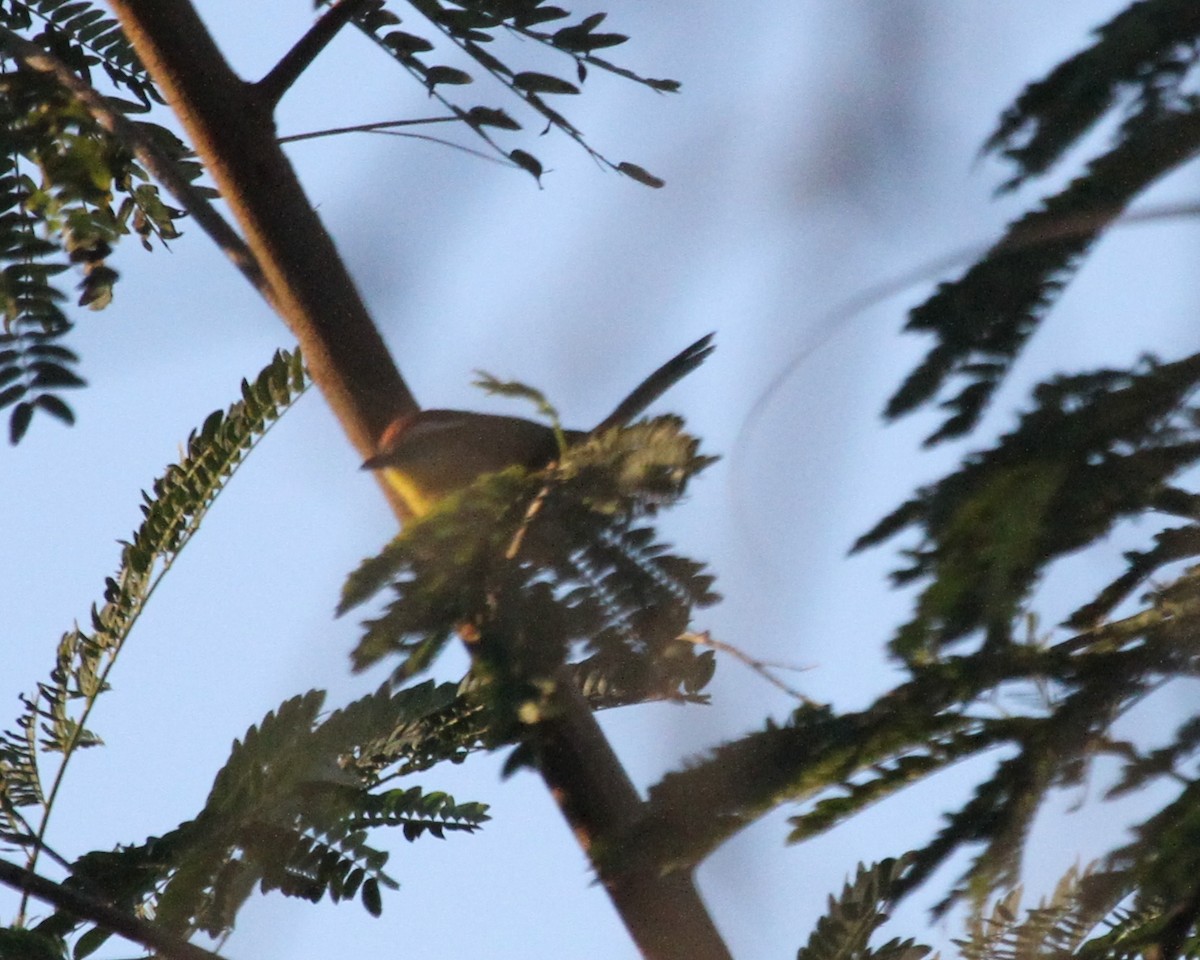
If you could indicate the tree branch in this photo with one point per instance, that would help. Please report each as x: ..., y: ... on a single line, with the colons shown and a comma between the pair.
x: 383, y: 126
x: 287, y: 71
x: 231, y: 128
x: 100, y: 913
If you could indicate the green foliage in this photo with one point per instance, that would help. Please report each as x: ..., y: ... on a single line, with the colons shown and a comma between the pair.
x: 54, y: 718
x: 514, y: 389
x: 1058, y: 926
x: 1142, y: 56
x: 1045, y: 712
x: 471, y: 26
x: 293, y: 807
x: 561, y: 568
x: 1161, y: 867
x: 677, y: 672
x: 69, y: 190
x: 1096, y: 448
x: 1141, y: 66
x: 533, y: 565
x: 844, y: 932
x: 86, y: 37
x: 290, y: 811
x: 834, y: 764
x: 18, y: 944
x: 1092, y: 914
x: 1135, y: 927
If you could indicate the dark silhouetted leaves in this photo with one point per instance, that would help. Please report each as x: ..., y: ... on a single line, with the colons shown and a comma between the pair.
x: 472, y: 27
x: 641, y: 176
x: 451, y: 75
x: 488, y: 117
x: 581, y: 38
x: 1096, y: 447
x: 542, y: 83
x: 846, y: 928
x: 1140, y: 68
x: 527, y: 161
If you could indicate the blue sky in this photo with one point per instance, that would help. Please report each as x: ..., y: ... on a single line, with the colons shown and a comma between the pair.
x: 817, y: 148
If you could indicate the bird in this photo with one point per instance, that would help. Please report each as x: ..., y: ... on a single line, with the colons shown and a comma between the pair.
x: 427, y: 455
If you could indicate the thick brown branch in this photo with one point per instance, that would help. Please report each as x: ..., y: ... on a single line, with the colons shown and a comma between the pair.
x: 86, y: 908
x: 663, y: 912
x: 231, y: 127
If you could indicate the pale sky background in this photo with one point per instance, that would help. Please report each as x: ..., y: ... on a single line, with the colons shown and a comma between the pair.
x: 817, y: 148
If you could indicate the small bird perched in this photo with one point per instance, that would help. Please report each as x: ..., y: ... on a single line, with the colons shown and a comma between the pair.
x: 430, y: 454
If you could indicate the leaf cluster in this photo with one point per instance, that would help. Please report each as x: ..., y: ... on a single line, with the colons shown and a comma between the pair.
x: 69, y: 191
x: 1092, y: 450
x: 1140, y: 67
x: 70, y: 188
x: 831, y: 764
x: 1061, y: 925
x: 1095, y: 448
x: 471, y: 27
x: 54, y: 718
x: 846, y: 928
x: 535, y: 565
x: 291, y: 810
x: 557, y: 568
x: 835, y: 765
x: 87, y: 36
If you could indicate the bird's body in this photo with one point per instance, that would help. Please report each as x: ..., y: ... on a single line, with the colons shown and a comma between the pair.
x: 430, y: 454
x: 433, y: 453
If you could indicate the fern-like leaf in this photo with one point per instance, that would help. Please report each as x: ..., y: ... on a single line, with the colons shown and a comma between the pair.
x: 83, y: 35
x: 1098, y: 447
x: 69, y: 190
x: 1061, y: 925
x: 56, y: 716
x: 292, y: 810
x: 845, y: 931
x: 1141, y: 67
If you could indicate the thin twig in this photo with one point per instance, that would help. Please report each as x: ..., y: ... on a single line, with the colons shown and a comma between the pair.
x: 762, y: 667
x: 363, y: 128
x: 535, y: 507
x: 32, y: 834
x: 383, y: 128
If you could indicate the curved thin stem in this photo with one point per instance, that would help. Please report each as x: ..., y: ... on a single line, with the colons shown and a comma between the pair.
x: 362, y: 128
x: 167, y: 558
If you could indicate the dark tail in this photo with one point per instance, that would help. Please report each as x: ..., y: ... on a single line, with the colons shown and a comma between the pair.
x: 655, y: 385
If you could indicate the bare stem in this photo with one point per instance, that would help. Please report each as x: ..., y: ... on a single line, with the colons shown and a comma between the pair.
x: 85, y: 907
